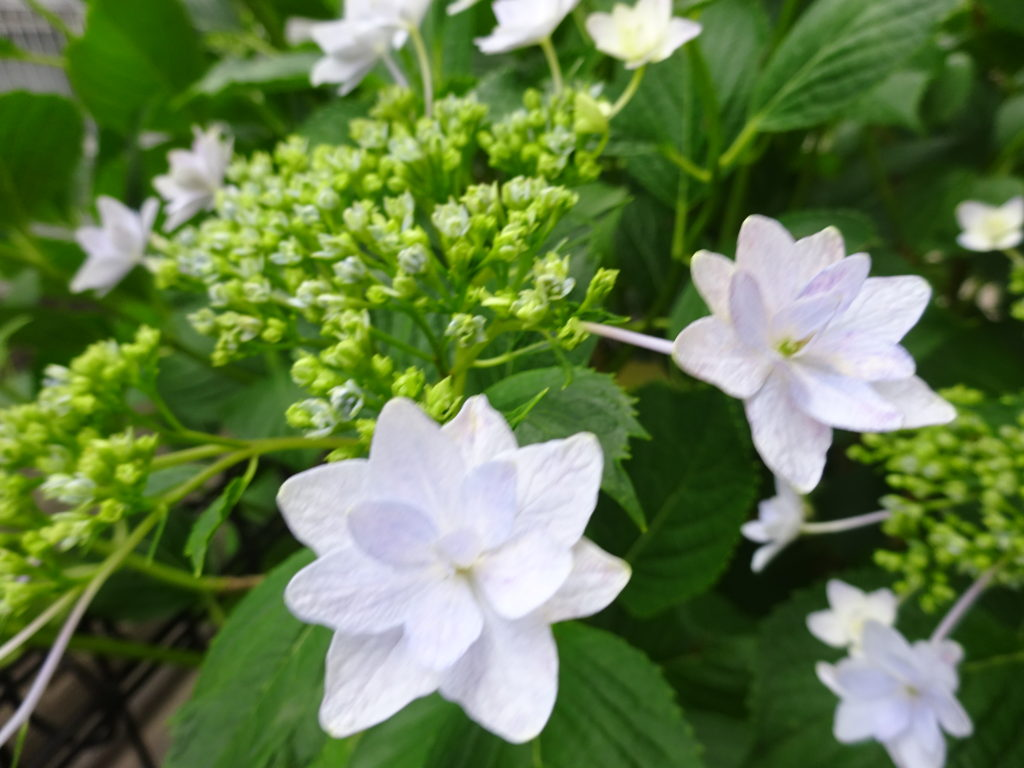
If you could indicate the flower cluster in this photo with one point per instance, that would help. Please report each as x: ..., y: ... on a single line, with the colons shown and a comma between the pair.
x: 381, y: 262
x: 958, y: 503
x: 73, y: 464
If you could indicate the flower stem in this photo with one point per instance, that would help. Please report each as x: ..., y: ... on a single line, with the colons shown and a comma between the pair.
x: 175, y: 458
x: 967, y: 599
x: 556, y: 70
x: 40, y: 621
x: 492, y: 362
x: 126, y: 649
x: 52, y: 17
x: 847, y: 523
x: 629, y: 93
x: 662, y: 346
x: 425, y: 72
x: 739, y: 146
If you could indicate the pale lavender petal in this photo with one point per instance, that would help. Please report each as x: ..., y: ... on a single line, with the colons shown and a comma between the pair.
x: 841, y: 402
x: 393, y: 532
x: 708, y: 349
x: 316, y: 503
x: 442, y: 623
x: 526, y: 572
x: 887, y: 307
x: 712, y: 273
x: 918, y: 405
x: 595, y: 580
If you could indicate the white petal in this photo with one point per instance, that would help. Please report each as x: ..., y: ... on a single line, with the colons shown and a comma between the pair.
x: 557, y: 486
x: 351, y: 592
x: 860, y: 355
x: 804, y: 317
x: 845, y: 278
x: 766, y: 250
x: 708, y: 350
x: 859, y: 678
x: 842, y: 402
x: 442, y: 623
x: 523, y: 574
x: 854, y: 721
x: 756, y: 531
x: 508, y: 680
x: 369, y: 678
x: 970, y: 214
x: 887, y: 307
x: 819, y: 251
x: 480, y: 431
x: 909, y: 752
x: 828, y: 628
x: 315, y: 503
x: 712, y: 273
x: 791, y: 443
x: 747, y: 310
x: 916, y: 402
x: 1014, y: 210
x: 100, y: 274
x: 595, y: 580
x: 411, y: 461
x: 953, y: 717
x: 840, y: 594
x: 764, y: 555
x: 488, y: 502
x: 680, y: 32
x: 979, y: 242
x: 392, y: 532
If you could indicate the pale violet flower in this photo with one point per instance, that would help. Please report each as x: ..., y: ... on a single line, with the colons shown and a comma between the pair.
x: 369, y: 31
x: 522, y: 23
x: 643, y: 34
x: 809, y: 342
x: 115, y: 247
x: 991, y: 227
x: 899, y: 694
x: 842, y: 626
x: 195, y: 175
x: 442, y: 561
x: 778, y: 524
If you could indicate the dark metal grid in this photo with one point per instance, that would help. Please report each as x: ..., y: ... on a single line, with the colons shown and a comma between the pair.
x: 30, y: 32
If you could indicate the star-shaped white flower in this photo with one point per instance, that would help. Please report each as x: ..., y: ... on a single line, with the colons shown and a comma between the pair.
x: 842, y: 626
x: 899, y: 694
x: 524, y: 22
x: 991, y: 227
x: 115, y: 247
x: 644, y: 34
x: 809, y: 342
x: 195, y: 175
x: 778, y: 524
x: 369, y: 31
x: 442, y: 561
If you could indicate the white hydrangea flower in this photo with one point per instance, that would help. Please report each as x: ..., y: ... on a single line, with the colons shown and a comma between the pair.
x: 809, y: 342
x: 461, y: 5
x: 195, y: 175
x: 899, y: 694
x: 115, y: 247
x: 842, y: 626
x: 369, y: 31
x: 644, y: 34
x: 778, y: 524
x: 522, y: 23
x: 442, y: 561
x: 991, y: 227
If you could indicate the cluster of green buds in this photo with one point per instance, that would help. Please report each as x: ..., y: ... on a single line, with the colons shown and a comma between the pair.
x: 555, y: 136
x: 959, y: 497
x: 1016, y: 287
x: 71, y: 464
x: 381, y: 267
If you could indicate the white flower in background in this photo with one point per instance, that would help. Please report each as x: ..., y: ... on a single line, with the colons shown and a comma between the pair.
x: 899, y: 694
x: 115, y: 247
x: 809, y: 342
x: 778, y: 524
x: 991, y: 227
x: 195, y: 175
x: 643, y: 34
x: 524, y: 22
x: 460, y: 6
x: 368, y: 32
x: 442, y: 561
x: 842, y: 626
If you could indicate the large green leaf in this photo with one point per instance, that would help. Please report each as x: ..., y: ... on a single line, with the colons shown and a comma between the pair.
x: 255, y: 703
x: 579, y: 400
x: 40, y: 146
x: 614, y: 710
x: 133, y: 55
x: 697, y: 480
x: 278, y: 72
x: 837, y: 51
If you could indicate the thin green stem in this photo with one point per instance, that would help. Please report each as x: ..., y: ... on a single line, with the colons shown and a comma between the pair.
x: 846, y: 524
x: 742, y: 142
x: 52, y: 18
x: 552, y: 57
x: 426, y: 76
x: 40, y: 621
x: 628, y: 94
x: 30, y: 57
x: 399, y: 344
x: 685, y: 164
x: 197, y: 481
x: 176, y: 458
x: 967, y: 599
x: 125, y: 649
x: 492, y: 362
x: 179, y: 578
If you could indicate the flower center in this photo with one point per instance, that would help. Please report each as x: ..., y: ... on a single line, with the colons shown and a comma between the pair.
x: 789, y: 347
x: 460, y: 548
x: 997, y: 225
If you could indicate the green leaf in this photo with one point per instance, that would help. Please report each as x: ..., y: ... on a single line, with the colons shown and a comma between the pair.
x: 132, y: 55
x: 462, y: 743
x: 406, y: 739
x: 895, y: 101
x: 1010, y: 122
x: 993, y: 696
x: 697, y: 480
x: 280, y: 72
x: 255, y: 702
x: 837, y: 51
x: 614, y: 708
x: 213, y: 517
x: 40, y: 146
x: 859, y: 231
x: 587, y: 402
